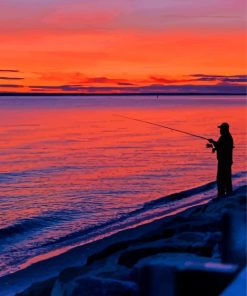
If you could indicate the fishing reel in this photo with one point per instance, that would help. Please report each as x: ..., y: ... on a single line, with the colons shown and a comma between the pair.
x: 211, y: 146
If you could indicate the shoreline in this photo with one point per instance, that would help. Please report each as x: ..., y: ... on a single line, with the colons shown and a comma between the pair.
x: 150, y: 211
x: 78, y: 256
x: 52, y: 265
x: 123, y: 94
x: 146, y: 214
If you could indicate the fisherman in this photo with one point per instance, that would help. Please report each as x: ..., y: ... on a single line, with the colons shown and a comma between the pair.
x: 223, y: 148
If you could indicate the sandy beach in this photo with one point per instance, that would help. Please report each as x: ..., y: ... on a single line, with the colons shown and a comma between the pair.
x: 112, y: 266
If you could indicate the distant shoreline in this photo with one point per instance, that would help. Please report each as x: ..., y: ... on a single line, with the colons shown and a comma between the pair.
x: 119, y: 94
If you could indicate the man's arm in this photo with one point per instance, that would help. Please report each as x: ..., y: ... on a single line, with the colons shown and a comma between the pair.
x: 213, y: 142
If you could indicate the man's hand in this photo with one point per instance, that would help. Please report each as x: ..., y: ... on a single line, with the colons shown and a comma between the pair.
x: 210, y: 140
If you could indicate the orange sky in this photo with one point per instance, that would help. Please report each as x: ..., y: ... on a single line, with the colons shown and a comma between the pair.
x: 109, y: 44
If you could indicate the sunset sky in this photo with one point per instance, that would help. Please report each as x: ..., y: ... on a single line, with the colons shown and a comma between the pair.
x: 119, y: 46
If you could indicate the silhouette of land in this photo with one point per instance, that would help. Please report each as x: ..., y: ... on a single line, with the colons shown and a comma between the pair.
x: 122, y: 94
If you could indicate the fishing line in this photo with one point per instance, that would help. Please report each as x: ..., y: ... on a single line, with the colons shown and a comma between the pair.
x: 162, y: 126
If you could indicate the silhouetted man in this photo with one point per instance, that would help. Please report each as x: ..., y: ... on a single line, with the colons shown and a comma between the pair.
x: 224, y: 147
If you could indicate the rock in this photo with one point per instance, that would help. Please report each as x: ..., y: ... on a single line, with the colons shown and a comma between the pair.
x: 196, y: 231
x: 234, y: 245
x: 204, y: 279
x: 238, y: 286
x: 39, y: 289
x: 105, y: 268
x: 108, y: 251
x: 202, y: 223
x: 192, y: 242
x: 99, y: 286
x: 182, y: 274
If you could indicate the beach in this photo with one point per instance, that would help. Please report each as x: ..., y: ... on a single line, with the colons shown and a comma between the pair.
x: 194, y: 235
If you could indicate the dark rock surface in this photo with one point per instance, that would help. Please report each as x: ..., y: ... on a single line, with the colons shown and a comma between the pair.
x: 180, y: 246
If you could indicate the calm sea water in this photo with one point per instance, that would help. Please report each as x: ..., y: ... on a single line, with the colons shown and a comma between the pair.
x: 71, y: 170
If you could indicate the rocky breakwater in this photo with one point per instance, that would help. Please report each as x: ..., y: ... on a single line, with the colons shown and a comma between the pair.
x: 200, y: 251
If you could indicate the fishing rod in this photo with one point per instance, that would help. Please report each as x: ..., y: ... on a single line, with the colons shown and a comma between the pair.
x: 163, y: 126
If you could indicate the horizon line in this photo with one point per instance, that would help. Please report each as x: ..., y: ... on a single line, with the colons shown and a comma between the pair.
x: 121, y: 94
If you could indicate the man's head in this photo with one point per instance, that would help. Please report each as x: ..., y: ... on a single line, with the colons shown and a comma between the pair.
x: 224, y: 128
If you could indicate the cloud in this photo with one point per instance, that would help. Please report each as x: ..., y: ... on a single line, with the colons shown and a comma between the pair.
x: 151, y: 88
x: 81, y: 88
x: 190, y: 88
x: 10, y: 78
x: 9, y: 70
x: 204, y: 78
x: 221, y: 78
x: 57, y: 87
x: 99, y: 80
x: 126, y: 84
x: 168, y: 81
x: 111, y: 14
x: 80, y: 78
x: 106, y: 80
x: 11, y: 85
x: 236, y: 79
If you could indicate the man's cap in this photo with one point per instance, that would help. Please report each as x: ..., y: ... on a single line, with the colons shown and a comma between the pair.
x: 224, y: 125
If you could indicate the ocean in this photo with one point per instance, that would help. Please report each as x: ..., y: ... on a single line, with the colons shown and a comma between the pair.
x: 73, y: 171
